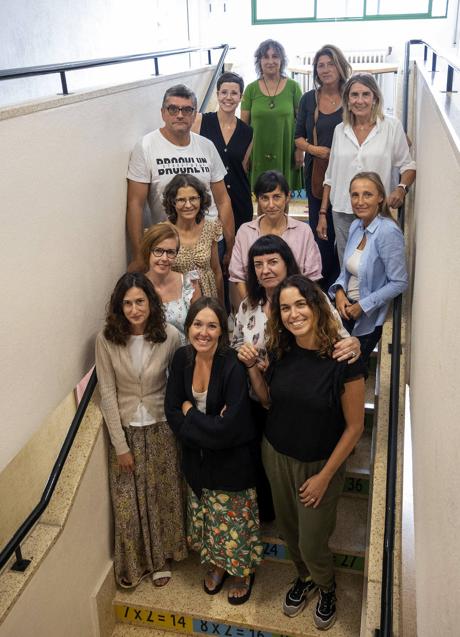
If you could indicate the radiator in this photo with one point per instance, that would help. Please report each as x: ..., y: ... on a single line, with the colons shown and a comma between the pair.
x: 354, y: 57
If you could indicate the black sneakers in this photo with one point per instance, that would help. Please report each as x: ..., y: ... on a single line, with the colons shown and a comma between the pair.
x: 325, y: 614
x: 297, y: 596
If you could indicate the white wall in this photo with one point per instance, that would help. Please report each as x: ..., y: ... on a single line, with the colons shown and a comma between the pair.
x: 53, y: 31
x: 435, y: 355
x: 56, y: 601
x: 62, y: 221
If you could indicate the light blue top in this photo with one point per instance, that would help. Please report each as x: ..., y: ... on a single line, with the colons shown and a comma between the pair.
x: 382, y: 272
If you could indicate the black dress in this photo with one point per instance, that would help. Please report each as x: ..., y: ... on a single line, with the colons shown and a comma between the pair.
x: 325, y: 127
x: 232, y: 154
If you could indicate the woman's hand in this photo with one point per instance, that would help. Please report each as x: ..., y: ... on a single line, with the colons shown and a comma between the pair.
x: 312, y: 491
x: 248, y: 354
x: 126, y: 462
x: 321, y: 228
x: 186, y: 406
x: 396, y: 198
x: 322, y: 152
x: 342, y: 304
x: 354, y: 311
x: 347, y: 349
x: 298, y: 158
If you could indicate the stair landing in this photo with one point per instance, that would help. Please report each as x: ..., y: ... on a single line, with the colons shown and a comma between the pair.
x: 183, y: 607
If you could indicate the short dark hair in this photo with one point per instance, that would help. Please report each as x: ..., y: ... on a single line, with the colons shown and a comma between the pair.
x: 268, y: 181
x: 117, y: 327
x: 231, y: 77
x: 262, y: 50
x: 213, y: 304
x: 170, y: 194
x: 280, y: 339
x: 267, y: 244
x: 180, y: 90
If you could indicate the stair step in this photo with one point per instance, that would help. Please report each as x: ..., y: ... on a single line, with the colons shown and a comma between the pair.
x: 128, y: 630
x: 183, y: 607
x: 358, y: 468
x: 348, y: 542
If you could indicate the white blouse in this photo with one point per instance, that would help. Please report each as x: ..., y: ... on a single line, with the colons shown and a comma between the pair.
x: 384, y: 149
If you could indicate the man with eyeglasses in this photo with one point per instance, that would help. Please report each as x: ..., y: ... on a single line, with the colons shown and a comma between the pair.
x: 168, y: 151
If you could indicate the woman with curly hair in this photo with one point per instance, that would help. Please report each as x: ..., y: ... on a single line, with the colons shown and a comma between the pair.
x: 186, y: 201
x: 133, y: 352
x: 270, y: 107
x: 315, y: 420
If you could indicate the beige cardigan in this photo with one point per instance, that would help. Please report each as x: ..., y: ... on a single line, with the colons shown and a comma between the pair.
x: 122, y: 390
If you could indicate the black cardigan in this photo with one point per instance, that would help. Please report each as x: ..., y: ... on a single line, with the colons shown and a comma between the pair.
x: 217, y: 451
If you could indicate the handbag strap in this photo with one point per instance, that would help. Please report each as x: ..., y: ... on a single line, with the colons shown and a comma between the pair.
x: 315, y: 119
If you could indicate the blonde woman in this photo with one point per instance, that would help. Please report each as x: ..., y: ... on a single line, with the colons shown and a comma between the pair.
x: 367, y: 140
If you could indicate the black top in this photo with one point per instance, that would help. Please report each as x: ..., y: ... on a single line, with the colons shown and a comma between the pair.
x: 305, y: 420
x: 325, y: 127
x: 232, y: 154
x: 217, y: 451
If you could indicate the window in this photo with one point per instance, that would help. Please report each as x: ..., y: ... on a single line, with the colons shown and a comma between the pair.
x: 268, y: 12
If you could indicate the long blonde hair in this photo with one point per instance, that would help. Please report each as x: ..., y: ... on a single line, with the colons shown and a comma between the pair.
x: 377, y: 108
x: 384, y: 210
x: 341, y: 64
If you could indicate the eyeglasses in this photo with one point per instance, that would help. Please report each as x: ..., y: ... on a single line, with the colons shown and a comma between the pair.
x: 159, y: 252
x: 185, y: 110
x: 193, y: 201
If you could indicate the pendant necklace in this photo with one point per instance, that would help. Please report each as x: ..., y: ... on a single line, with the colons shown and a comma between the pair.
x: 271, y: 103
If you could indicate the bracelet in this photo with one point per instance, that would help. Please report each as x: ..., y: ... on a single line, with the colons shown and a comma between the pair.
x: 251, y: 365
x: 323, y: 212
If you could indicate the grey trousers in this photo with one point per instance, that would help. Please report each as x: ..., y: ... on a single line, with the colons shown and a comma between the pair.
x: 305, y: 530
x: 342, y: 222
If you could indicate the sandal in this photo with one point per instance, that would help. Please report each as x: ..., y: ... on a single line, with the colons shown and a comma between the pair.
x: 217, y: 579
x: 240, y: 584
x: 159, y: 576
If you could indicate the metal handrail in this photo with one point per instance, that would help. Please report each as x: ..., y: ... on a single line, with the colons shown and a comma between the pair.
x: 212, y: 83
x: 14, y: 545
x: 386, y: 601
x: 62, y: 68
x: 435, y: 53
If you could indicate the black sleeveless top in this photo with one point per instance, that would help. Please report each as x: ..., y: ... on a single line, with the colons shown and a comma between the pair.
x: 232, y: 154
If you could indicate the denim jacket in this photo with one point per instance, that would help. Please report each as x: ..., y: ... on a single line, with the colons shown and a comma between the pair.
x: 382, y: 273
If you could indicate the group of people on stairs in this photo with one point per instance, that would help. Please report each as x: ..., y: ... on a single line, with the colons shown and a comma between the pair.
x: 214, y: 431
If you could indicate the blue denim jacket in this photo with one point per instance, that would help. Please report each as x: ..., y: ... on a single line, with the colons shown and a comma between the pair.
x: 382, y: 273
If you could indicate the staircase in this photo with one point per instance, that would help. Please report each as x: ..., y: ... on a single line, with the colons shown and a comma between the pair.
x: 183, y: 607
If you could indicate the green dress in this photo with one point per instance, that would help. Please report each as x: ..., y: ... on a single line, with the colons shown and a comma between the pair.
x: 273, y: 144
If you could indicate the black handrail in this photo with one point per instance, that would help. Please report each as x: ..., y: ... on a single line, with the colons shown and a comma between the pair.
x: 386, y: 601
x: 14, y: 545
x: 47, y: 69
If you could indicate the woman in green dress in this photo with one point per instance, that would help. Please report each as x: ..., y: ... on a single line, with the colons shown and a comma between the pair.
x: 270, y: 106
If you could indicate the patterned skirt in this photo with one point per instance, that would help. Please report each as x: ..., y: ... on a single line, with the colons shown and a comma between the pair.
x: 148, y: 504
x: 223, y: 526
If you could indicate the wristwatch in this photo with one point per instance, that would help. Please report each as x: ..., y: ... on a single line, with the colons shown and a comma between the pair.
x: 404, y: 187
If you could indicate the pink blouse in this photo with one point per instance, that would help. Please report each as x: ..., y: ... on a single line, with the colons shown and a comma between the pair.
x: 297, y: 235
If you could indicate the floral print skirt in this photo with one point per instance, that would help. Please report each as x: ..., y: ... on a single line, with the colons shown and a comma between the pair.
x: 148, y: 504
x: 223, y: 526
